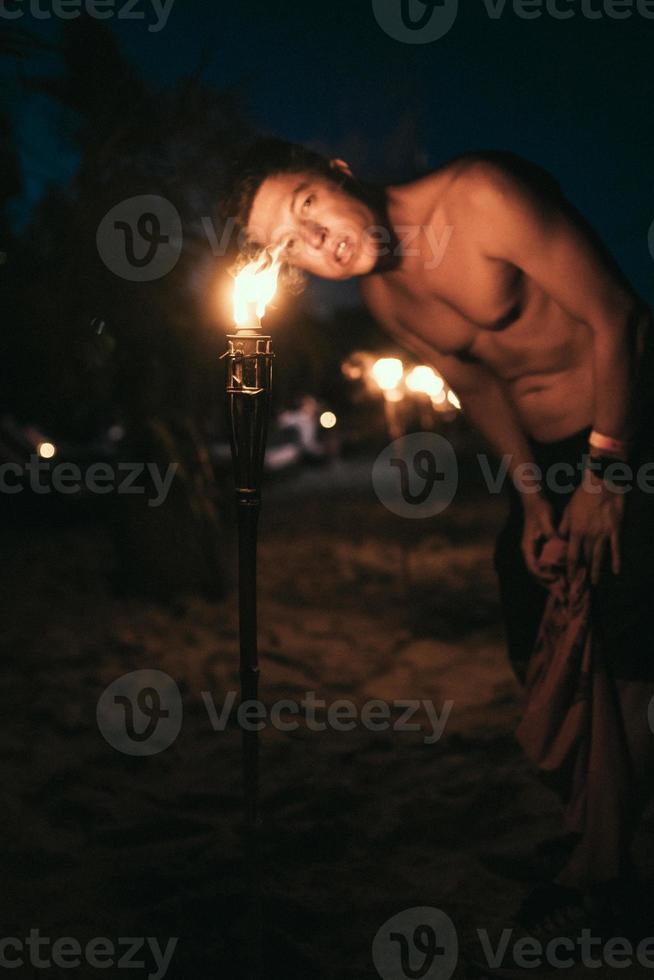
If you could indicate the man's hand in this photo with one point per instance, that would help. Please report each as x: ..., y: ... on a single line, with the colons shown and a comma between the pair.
x: 592, y: 523
x: 539, y: 528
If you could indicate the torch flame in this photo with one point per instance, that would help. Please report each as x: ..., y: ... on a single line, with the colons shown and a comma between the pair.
x: 254, y: 288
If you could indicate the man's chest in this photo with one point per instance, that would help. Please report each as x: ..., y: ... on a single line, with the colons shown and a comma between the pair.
x: 477, y: 309
x: 451, y: 305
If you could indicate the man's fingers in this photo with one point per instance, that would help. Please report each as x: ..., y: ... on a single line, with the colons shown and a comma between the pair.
x: 564, y: 526
x: 529, y: 553
x: 548, y: 525
x: 599, y: 552
x: 616, y: 551
x: 533, y: 564
x: 574, y: 553
x: 544, y: 525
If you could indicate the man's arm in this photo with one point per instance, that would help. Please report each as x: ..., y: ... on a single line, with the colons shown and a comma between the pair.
x: 489, y: 411
x: 482, y: 394
x: 545, y: 238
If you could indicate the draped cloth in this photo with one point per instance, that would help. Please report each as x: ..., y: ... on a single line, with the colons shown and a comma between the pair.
x: 571, y: 727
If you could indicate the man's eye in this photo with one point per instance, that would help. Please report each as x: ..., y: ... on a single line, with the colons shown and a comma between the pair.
x: 307, y: 204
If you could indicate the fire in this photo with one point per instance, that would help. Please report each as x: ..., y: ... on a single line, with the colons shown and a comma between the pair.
x: 254, y: 289
x: 387, y: 372
x: 424, y: 380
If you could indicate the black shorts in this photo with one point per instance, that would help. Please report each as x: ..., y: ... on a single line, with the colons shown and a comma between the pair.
x: 623, y: 605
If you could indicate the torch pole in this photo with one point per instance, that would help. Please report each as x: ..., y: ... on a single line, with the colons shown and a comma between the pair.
x: 248, y: 388
x: 248, y: 518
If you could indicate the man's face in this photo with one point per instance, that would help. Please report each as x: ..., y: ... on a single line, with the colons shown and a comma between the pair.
x: 324, y: 230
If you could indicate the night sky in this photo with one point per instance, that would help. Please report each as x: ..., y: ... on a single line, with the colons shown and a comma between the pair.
x: 574, y: 95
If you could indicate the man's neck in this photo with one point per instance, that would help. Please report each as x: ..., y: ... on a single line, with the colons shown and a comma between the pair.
x: 390, y: 257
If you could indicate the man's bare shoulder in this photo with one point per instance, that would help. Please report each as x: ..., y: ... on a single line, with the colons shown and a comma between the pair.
x: 486, y: 177
x: 475, y: 179
x: 375, y: 294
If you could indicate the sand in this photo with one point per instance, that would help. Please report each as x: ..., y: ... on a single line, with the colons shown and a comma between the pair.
x: 356, y: 604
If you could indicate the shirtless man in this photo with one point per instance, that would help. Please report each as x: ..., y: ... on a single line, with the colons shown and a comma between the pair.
x: 484, y: 270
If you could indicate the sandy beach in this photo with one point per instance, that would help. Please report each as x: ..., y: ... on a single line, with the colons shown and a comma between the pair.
x: 357, y: 826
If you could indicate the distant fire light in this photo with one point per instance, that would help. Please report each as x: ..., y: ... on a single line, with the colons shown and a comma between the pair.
x: 388, y: 372
x: 46, y: 450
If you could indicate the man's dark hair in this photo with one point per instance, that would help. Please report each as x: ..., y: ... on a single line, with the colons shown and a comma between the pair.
x: 271, y: 157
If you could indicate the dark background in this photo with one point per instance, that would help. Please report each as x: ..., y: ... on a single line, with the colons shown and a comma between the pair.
x: 574, y: 95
